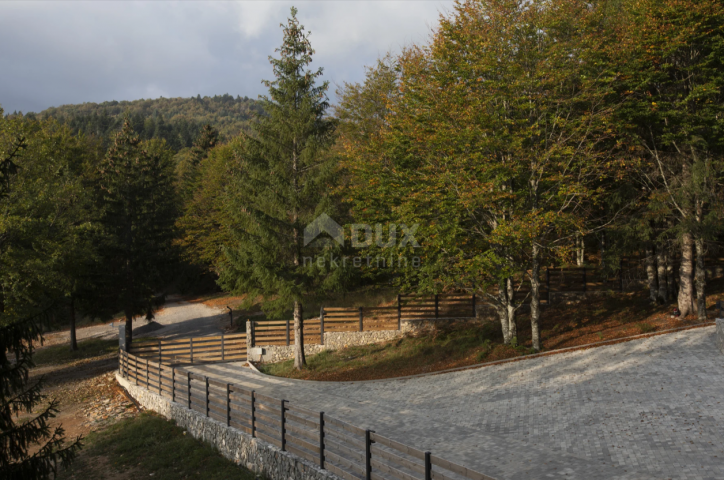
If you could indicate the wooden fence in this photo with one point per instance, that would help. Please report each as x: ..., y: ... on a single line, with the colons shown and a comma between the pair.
x: 339, y: 447
x: 220, y: 348
x: 364, y: 319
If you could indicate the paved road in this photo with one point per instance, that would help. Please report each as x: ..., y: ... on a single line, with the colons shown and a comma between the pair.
x: 646, y: 409
x: 179, y: 319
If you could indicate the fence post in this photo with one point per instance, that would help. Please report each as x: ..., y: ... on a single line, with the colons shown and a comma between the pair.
x: 360, y: 319
x: 283, y: 426
x: 253, y: 336
x: 399, y: 312
x: 159, y: 350
x: 585, y: 288
x: 159, y: 378
x: 247, y: 339
x: 437, y: 309
x: 368, y: 455
x: 287, y: 332
x: 228, y: 404
x: 428, y: 466
x: 207, y: 395
x: 222, y: 346
x: 475, y: 313
x: 173, y: 384
x: 321, y: 326
x: 191, y: 350
x: 253, y: 415
x: 148, y: 385
x: 321, y: 439
x: 188, y: 386
x: 135, y: 367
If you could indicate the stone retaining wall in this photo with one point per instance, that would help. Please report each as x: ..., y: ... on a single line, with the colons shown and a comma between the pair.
x: 252, y: 453
x: 720, y: 334
x: 338, y: 340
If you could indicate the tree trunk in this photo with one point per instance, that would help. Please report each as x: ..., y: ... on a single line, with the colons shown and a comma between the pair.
x: 510, y: 308
x: 670, y: 276
x: 602, y: 242
x: 71, y: 311
x: 661, y: 274
x: 299, y: 358
x: 535, y: 299
x: 503, y: 316
x: 129, y: 328
x: 686, y: 288
x: 700, y: 280
x: 501, y: 306
x: 580, y: 250
x: 651, y: 274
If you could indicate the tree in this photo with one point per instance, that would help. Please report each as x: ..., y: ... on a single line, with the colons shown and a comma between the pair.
x: 282, y: 184
x: 204, y: 227
x: 187, y: 161
x: 16, y: 439
x: 17, y: 337
x: 671, y: 78
x: 494, y: 147
x: 136, y: 200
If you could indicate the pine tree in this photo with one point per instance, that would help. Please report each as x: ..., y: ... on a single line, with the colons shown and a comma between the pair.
x: 137, y: 204
x: 283, y: 185
x: 15, y: 397
x: 17, y: 337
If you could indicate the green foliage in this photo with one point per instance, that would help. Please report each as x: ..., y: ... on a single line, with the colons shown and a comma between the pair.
x: 281, y: 184
x: 179, y: 121
x: 136, y: 199
x: 205, y: 226
x: 16, y: 396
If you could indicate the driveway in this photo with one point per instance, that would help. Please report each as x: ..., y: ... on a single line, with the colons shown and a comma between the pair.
x: 178, y: 318
x: 646, y: 409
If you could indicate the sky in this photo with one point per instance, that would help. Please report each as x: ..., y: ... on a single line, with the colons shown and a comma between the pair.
x: 54, y: 53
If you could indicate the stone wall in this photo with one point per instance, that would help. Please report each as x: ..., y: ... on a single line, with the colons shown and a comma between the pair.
x: 338, y: 340
x: 720, y: 334
x: 252, y: 453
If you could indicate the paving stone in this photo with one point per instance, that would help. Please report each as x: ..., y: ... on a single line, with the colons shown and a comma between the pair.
x: 646, y: 409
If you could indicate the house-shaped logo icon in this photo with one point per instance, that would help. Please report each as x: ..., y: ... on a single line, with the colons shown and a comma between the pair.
x: 324, y: 224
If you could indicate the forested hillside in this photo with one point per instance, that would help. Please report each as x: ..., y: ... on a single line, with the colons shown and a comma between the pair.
x: 176, y: 120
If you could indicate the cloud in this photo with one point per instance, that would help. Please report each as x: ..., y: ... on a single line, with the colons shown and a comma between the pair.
x: 56, y: 53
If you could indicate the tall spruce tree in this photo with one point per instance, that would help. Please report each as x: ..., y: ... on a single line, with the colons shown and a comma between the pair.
x: 283, y: 185
x: 136, y: 199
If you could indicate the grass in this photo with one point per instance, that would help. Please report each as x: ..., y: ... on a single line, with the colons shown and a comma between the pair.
x: 60, y: 354
x: 645, y: 327
x: 152, y: 447
x: 598, y: 318
x: 444, y: 348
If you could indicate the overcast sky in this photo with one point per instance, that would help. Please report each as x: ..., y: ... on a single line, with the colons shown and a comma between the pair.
x: 54, y: 53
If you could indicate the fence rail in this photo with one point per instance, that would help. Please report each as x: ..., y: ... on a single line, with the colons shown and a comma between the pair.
x: 220, y: 348
x: 348, y: 451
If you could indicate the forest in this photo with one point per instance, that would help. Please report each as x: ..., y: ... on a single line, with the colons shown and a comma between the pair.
x: 522, y: 135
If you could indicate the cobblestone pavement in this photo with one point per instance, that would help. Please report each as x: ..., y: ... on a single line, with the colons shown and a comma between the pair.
x: 645, y: 409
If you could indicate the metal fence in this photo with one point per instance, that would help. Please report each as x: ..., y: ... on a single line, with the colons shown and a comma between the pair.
x: 348, y: 451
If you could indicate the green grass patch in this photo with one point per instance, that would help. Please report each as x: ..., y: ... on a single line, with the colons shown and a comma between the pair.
x: 60, y: 354
x: 152, y: 447
x: 645, y: 327
x: 442, y: 348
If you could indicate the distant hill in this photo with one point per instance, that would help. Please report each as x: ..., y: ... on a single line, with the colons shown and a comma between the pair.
x: 178, y: 120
